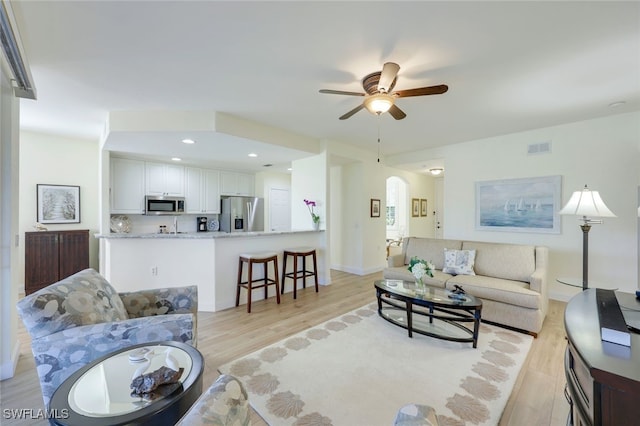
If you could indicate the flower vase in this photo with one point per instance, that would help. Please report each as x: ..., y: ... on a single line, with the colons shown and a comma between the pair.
x: 315, y: 225
x: 421, y: 287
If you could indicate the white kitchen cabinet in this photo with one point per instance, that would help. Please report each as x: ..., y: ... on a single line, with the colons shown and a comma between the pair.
x: 164, y: 179
x: 127, y: 186
x: 233, y: 183
x: 202, y: 192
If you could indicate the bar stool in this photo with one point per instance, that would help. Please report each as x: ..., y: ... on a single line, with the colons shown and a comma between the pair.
x: 256, y: 258
x: 296, y: 274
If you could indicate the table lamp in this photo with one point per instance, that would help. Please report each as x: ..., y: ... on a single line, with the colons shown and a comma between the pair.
x: 586, y: 203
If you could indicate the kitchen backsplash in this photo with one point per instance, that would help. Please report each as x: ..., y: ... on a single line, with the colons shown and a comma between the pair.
x: 141, y: 224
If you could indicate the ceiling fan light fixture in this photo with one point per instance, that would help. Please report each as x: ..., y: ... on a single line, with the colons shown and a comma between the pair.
x: 436, y: 171
x: 378, y: 103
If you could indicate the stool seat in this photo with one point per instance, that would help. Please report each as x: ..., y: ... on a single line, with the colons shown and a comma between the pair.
x: 295, y: 275
x: 259, y: 255
x: 251, y: 259
x: 299, y: 250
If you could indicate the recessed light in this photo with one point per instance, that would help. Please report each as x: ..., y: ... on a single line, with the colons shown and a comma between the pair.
x: 188, y: 141
x: 616, y: 104
x: 253, y: 155
x: 176, y: 159
x: 289, y: 169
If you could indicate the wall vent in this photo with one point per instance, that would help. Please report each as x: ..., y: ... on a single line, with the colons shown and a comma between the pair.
x: 539, y: 148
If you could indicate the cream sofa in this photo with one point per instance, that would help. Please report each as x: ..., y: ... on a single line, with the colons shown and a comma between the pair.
x: 511, y: 279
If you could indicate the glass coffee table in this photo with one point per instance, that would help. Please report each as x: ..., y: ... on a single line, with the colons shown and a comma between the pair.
x: 433, y: 313
x: 99, y: 393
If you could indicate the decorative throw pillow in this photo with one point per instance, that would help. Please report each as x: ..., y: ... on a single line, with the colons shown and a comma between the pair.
x: 459, y: 262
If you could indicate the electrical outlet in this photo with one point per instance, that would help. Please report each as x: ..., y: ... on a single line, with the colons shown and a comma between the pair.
x: 154, y: 271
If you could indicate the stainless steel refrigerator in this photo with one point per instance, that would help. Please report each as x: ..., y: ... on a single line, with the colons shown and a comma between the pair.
x: 242, y: 214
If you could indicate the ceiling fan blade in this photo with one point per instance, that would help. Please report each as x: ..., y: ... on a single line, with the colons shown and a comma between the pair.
x: 396, y: 112
x: 421, y: 91
x: 353, y: 111
x: 389, y: 73
x: 340, y: 92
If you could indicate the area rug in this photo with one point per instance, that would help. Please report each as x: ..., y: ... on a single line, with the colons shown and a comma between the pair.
x: 359, y: 369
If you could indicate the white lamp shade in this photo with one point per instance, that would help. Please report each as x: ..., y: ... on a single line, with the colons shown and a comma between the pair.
x: 586, y: 203
x: 378, y: 103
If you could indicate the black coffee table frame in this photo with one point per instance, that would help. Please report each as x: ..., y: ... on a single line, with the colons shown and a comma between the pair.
x: 165, y: 411
x: 434, y: 302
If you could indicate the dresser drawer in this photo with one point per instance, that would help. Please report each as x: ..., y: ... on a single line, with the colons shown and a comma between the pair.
x: 580, y: 383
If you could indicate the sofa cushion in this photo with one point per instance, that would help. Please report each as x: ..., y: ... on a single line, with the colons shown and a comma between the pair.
x: 459, y: 262
x: 161, y: 301
x: 508, y: 261
x: 81, y: 299
x: 429, y: 249
x: 511, y: 292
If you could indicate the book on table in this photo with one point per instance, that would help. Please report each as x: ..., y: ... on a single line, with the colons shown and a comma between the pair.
x: 613, y: 327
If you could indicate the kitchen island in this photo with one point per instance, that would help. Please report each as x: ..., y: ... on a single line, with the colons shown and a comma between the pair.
x: 132, y: 262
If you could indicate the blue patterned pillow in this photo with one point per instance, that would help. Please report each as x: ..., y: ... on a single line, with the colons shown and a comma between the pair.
x: 81, y: 299
x: 459, y: 262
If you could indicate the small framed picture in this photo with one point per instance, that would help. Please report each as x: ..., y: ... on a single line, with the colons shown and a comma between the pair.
x: 58, y: 203
x: 423, y: 207
x: 375, y: 207
x: 415, y: 207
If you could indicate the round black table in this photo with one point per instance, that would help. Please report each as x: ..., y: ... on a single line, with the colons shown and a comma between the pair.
x: 99, y: 393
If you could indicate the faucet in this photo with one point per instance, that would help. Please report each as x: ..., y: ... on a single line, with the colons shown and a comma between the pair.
x: 175, y: 224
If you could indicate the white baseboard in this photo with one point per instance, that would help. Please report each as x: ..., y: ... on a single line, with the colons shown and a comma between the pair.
x: 8, y: 369
x: 357, y: 271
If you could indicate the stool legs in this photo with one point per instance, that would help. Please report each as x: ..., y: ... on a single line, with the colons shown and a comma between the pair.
x: 238, y: 286
x: 296, y: 274
x: 266, y: 281
x: 315, y: 269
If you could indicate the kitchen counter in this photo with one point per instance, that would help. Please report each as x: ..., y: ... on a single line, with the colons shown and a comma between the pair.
x: 209, y: 260
x: 203, y: 235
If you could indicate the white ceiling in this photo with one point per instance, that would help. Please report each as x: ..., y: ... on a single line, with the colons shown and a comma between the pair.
x: 510, y: 66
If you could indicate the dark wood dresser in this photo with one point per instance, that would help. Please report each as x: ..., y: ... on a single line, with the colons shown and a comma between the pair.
x: 603, y: 379
x: 53, y: 255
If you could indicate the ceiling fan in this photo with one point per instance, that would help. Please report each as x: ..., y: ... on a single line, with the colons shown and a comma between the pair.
x: 379, y: 98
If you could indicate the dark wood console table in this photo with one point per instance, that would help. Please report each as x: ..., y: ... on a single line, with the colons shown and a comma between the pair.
x: 603, y: 379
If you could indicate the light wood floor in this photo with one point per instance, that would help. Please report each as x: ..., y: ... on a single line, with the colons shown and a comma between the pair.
x: 223, y: 336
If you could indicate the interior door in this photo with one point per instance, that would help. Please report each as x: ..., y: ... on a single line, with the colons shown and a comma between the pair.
x: 279, y: 209
x: 439, y: 213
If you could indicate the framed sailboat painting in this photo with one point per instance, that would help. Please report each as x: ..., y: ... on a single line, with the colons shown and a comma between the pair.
x: 519, y: 205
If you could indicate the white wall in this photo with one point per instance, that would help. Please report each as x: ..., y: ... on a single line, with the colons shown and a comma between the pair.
x: 309, y: 181
x: 9, y: 265
x: 602, y: 153
x: 48, y: 159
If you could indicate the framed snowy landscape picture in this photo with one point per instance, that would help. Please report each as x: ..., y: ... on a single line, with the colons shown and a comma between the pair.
x: 58, y: 204
x: 519, y: 205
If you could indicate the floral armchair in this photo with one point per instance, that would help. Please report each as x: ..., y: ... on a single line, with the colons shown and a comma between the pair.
x: 82, y: 318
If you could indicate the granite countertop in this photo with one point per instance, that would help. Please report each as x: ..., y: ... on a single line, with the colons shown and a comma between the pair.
x: 202, y: 235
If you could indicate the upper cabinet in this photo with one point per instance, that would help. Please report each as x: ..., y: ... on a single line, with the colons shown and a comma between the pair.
x: 232, y: 183
x: 127, y: 186
x: 202, y: 193
x: 164, y: 179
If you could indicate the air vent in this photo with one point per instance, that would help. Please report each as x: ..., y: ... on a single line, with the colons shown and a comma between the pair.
x: 539, y: 148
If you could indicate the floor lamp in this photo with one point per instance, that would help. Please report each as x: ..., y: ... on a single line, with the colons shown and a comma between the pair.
x: 586, y: 203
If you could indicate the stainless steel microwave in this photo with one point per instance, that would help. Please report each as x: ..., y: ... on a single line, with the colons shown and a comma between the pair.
x: 159, y: 205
